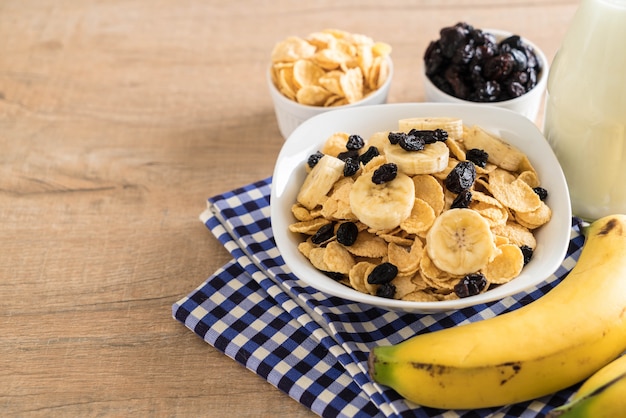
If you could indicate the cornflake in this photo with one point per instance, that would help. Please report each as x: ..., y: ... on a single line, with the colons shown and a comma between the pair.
x: 329, y: 68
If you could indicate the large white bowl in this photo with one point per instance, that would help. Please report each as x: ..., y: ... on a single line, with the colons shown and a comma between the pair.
x: 527, y: 104
x: 289, y: 173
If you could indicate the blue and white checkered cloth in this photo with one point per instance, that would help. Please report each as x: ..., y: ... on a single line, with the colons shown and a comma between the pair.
x: 311, y: 346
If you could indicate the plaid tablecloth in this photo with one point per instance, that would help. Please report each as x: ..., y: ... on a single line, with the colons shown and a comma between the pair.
x: 311, y: 346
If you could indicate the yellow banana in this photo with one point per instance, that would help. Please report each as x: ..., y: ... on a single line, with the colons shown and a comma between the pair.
x: 603, y: 395
x: 545, y: 346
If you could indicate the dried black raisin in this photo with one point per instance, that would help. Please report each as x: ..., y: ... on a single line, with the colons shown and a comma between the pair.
x: 462, y: 200
x: 430, y: 136
x: 441, y: 135
x: 470, y: 285
x: 355, y: 142
x: 351, y: 166
x: 323, y: 234
x: 347, y: 233
x: 527, y: 252
x: 541, y: 192
x: 314, y: 159
x: 499, y: 67
x: 461, y: 177
x: 367, y: 156
x: 386, y: 290
x: 477, y: 156
x: 468, y: 63
x: 343, y: 156
x: 395, y: 137
x: 385, y: 173
x: 412, y: 143
x: 382, y: 273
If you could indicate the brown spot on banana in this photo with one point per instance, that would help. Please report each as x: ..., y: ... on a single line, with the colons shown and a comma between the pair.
x: 612, y: 224
x: 432, y: 369
x: 514, y: 366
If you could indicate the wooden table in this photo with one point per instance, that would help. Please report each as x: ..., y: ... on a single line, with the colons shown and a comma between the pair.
x: 117, y: 120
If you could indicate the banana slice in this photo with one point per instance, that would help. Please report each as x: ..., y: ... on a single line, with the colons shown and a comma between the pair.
x: 454, y: 126
x: 460, y: 242
x: 319, y: 181
x: 382, y: 206
x: 432, y: 159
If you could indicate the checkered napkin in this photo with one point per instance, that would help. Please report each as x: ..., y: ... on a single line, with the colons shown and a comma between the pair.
x: 312, y: 346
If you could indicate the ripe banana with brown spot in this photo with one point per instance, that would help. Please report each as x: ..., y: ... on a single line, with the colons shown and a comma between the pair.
x: 545, y: 346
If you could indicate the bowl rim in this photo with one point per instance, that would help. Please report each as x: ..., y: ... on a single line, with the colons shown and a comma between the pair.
x: 500, y: 34
x: 292, y: 158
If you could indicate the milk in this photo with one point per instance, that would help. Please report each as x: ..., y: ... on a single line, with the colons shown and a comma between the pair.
x: 585, y: 120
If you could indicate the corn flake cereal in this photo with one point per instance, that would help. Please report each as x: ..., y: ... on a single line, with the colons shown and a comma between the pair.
x: 329, y: 68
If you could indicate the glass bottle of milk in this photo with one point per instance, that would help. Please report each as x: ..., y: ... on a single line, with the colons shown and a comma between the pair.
x: 585, y: 120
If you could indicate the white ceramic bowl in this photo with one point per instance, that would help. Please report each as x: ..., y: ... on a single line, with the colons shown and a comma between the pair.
x: 527, y: 104
x: 290, y: 114
x: 289, y: 173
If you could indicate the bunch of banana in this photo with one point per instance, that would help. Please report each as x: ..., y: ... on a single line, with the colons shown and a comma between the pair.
x: 603, y: 395
x: 545, y: 346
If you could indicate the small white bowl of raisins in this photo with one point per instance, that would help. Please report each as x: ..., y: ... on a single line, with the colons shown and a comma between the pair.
x: 485, y: 66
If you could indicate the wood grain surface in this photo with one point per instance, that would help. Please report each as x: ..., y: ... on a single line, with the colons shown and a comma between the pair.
x: 118, y: 119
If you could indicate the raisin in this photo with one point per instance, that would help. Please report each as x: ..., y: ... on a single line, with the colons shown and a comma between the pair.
x: 412, y: 143
x: 430, y: 136
x: 314, y: 159
x: 468, y: 63
x: 343, y: 156
x: 453, y: 76
x: 514, y: 89
x: 520, y: 58
x: 487, y: 91
x: 383, y: 273
x: 461, y: 177
x: 464, y: 52
x: 499, y: 67
x: 386, y: 290
x: 367, y: 156
x: 394, y: 137
x: 513, y: 41
x: 441, y: 135
x: 541, y: 192
x: 355, y: 142
x: 450, y: 39
x: 385, y: 173
x: 477, y: 156
x: 433, y: 58
x: 323, y: 234
x: 351, y: 166
x: 527, y: 252
x: 347, y: 233
x: 470, y: 285
x: 462, y: 200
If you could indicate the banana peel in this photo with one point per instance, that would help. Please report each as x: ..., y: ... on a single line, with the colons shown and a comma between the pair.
x: 603, y: 395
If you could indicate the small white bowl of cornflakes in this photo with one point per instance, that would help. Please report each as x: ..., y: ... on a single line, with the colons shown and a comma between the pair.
x: 324, y: 71
x: 517, y: 196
